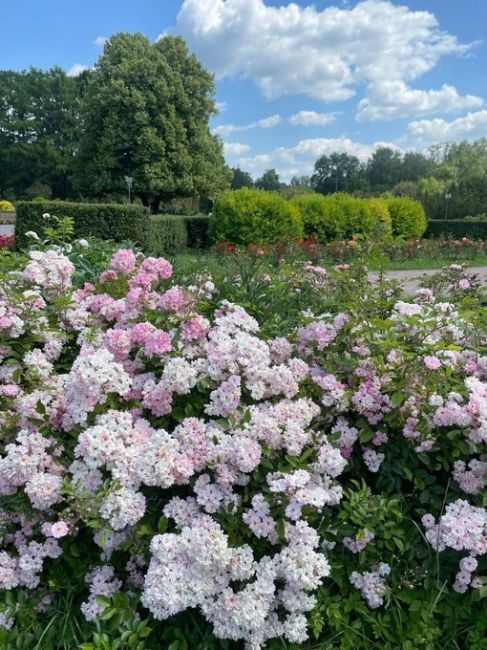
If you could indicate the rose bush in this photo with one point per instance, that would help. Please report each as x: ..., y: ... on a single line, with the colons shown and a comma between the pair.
x: 174, y: 471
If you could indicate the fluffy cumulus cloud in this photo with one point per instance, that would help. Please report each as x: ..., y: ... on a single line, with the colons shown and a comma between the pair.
x: 100, y: 40
x: 326, y: 54
x: 300, y: 159
x: 393, y: 99
x: 311, y: 118
x: 265, y: 123
x: 235, y: 148
x: 422, y: 133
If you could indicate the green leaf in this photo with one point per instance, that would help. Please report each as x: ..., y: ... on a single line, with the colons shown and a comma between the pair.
x: 397, y: 399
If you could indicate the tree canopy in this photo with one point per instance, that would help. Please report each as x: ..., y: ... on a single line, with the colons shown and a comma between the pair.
x: 143, y: 112
x: 146, y: 115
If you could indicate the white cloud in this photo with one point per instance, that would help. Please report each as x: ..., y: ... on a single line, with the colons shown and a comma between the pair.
x: 300, y: 159
x: 265, y: 123
x: 76, y: 69
x: 393, y: 99
x: 221, y: 106
x: 311, y: 118
x: 100, y: 41
x: 269, y: 122
x: 235, y: 148
x: 422, y: 133
x: 326, y: 54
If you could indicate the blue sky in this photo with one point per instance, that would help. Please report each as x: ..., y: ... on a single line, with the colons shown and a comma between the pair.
x: 293, y: 81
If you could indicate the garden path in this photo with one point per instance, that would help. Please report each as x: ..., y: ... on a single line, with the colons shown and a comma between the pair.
x: 410, y: 280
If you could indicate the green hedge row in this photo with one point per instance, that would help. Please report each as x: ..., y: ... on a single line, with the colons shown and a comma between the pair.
x: 171, y: 234
x: 107, y: 221
x: 167, y: 235
x: 254, y: 216
x: 457, y: 228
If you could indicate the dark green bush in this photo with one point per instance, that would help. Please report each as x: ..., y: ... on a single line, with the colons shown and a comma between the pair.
x: 167, y: 235
x: 408, y: 217
x: 457, y: 228
x: 107, y: 221
x: 197, y: 230
x: 249, y: 216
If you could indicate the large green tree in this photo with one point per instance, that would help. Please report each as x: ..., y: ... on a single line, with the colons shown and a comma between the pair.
x: 241, y: 179
x: 269, y: 181
x: 337, y: 172
x: 146, y: 115
x: 39, y: 130
x: 384, y: 169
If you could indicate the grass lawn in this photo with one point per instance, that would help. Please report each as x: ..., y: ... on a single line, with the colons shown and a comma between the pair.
x: 429, y: 263
x: 211, y: 262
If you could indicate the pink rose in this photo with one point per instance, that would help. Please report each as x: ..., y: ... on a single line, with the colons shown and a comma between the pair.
x: 59, y: 529
x: 432, y: 363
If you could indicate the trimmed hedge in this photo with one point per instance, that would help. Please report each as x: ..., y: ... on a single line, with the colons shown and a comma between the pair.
x: 167, y: 235
x: 339, y: 215
x: 408, y: 217
x: 107, y: 221
x: 197, y: 230
x: 381, y: 214
x: 456, y: 228
x: 251, y: 216
x: 318, y: 219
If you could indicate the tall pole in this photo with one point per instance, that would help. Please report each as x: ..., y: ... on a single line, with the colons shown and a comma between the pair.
x: 447, y: 199
x: 129, y: 180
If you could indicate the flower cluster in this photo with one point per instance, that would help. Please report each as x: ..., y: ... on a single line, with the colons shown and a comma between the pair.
x: 213, y: 468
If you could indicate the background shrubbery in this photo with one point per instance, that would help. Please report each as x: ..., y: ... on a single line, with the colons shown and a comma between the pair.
x: 408, y: 217
x: 341, y: 215
x: 107, y: 221
x: 457, y: 228
x: 249, y: 216
x: 167, y: 235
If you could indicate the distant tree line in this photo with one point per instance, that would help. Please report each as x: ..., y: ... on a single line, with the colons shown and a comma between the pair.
x: 141, y: 113
x: 447, y: 176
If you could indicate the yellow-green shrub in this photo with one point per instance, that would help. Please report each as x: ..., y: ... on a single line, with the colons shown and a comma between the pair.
x: 6, y: 206
x: 408, y: 217
x: 334, y: 216
x: 249, y: 216
x: 380, y: 212
x: 318, y: 217
x: 354, y: 214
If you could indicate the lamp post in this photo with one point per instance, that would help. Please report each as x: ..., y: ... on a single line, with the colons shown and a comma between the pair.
x: 447, y: 199
x: 129, y: 181
x: 337, y: 177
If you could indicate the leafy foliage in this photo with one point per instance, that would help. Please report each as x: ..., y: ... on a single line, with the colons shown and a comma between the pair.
x: 472, y: 229
x: 159, y: 138
x: 167, y: 234
x: 408, y: 217
x: 116, y: 222
x: 249, y: 216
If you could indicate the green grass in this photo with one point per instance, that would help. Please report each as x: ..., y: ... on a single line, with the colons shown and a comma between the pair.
x: 422, y: 264
x: 210, y: 262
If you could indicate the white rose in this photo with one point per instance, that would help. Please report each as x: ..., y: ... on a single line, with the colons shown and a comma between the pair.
x: 83, y: 243
x: 32, y: 235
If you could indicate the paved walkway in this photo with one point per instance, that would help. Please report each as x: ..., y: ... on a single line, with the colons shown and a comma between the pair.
x: 410, y: 280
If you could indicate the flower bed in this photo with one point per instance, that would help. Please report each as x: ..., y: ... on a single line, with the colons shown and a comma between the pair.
x: 173, y: 472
